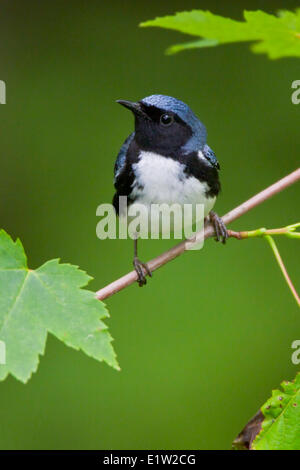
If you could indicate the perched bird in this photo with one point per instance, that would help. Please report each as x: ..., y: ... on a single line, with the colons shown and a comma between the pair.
x: 166, y: 160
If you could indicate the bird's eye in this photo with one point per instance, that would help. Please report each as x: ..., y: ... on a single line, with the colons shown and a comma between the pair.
x: 166, y: 119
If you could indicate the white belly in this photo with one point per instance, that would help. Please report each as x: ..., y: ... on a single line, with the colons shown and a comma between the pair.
x: 162, y: 180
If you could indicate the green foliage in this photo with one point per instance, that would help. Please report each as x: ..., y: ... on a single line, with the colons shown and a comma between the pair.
x: 48, y: 299
x: 281, y: 426
x: 278, y: 36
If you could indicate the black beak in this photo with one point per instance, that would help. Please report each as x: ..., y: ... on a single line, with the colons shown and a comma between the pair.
x: 136, y: 108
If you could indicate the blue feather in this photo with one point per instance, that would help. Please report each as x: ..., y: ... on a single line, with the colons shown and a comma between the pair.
x: 210, y: 156
x: 184, y: 112
x: 121, y: 158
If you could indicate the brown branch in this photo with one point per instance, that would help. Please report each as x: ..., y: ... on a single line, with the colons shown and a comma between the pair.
x: 178, y: 249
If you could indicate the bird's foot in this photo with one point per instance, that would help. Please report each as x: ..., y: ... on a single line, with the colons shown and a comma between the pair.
x: 219, y: 226
x: 142, y: 270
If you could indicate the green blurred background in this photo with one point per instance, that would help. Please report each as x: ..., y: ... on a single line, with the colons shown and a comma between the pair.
x: 204, y: 343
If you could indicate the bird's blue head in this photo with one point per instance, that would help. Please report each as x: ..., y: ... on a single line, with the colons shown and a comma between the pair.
x: 165, y: 124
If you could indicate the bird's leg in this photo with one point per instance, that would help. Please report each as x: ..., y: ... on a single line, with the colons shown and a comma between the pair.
x: 219, y: 226
x: 141, y: 268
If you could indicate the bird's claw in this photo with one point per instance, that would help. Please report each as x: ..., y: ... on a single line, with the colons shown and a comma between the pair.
x: 219, y: 226
x: 142, y: 269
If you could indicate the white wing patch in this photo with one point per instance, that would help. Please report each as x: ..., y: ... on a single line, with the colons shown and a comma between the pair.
x: 201, y: 156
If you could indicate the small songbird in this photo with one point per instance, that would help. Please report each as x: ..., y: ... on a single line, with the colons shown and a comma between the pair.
x: 166, y: 160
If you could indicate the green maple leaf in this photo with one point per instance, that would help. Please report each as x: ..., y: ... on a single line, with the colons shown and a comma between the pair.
x: 281, y: 427
x: 276, y: 426
x: 277, y: 36
x: 48, y: 299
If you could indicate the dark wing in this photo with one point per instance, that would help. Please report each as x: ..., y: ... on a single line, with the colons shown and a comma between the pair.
x: 123, y: 173
x: 204, y: 167
x: 121, y: 158
x: 210, y: 156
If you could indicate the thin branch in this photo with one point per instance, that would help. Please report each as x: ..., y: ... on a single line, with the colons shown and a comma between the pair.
x: 178, y: 249
x: 273, y: 245
x: 288, y: 231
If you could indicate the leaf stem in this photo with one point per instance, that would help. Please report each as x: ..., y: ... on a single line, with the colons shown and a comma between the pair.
x: 273, y: 245
x: 288, y: 231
